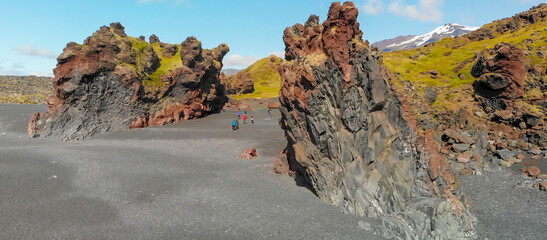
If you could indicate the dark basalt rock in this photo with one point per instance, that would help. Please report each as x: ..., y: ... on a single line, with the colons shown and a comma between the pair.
x: 101, y: 86
x: 349, y: 138
x: 430, y: 94
x: 153, y: 39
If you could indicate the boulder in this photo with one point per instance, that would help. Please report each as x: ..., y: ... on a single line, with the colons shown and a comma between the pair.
x: 460, y: 147
x: 169, y: 50
x: 153, y: 39
x: 501, y: 75
x: 533, y: 171
x: 281, y: 165
x: 240, y: 83
x: 110, y: 83
x: 274, y: 105
x: 505, y: 154
x: 349, y: 137
x: 430, y: 94
x: 248, y: 153
x: 504, y: 114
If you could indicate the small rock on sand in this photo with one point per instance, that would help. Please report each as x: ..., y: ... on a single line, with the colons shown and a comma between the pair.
x: 533, y: 171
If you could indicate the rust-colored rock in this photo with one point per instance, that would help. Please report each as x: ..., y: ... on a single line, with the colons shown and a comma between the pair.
x: 501, y: 75
x: 240, y: 83
x: 248, y: 153
x: 533, y: 171
x: 111, y: 82
x: 274, y: 105
x: 281, y: 164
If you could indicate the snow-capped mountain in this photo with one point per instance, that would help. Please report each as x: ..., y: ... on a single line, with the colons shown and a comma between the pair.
x: 409, y: 42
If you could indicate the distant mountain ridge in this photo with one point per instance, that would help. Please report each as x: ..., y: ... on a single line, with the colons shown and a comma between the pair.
x: 230, y: 71
x: 413, y: 41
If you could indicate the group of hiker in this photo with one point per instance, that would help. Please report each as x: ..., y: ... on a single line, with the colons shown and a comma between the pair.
x: 235, y: 123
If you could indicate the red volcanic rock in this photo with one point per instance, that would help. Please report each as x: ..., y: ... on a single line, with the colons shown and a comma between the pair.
x: 281, y: 165
x: 111, y: 82
x: 501, y: 75
x: 533, y: 171
x: 274, y: 105
x: 348, y: 137
x: 462, y: 158
x: 248, y: 153
x: 35, y: 120
x: 240, y: 83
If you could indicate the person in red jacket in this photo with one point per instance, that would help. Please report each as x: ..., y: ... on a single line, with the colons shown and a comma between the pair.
x: 244, y: 118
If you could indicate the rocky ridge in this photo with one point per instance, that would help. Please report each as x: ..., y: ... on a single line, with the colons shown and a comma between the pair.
x: 412, y: 41
x: 113, y: 81
x: 25, y: 89
x: 353, y: 141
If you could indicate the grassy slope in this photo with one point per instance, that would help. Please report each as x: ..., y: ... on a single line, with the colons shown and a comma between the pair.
x: 267, y: 79
x: 152, y: 81
x: 458, y: 50
x: 167, y: 64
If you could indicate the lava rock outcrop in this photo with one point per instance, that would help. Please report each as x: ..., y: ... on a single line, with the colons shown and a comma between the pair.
x: 350, y: 140
x: 113, y: 81
x: 263, y: 73
x: 240, y: 83
x: 501, y: 75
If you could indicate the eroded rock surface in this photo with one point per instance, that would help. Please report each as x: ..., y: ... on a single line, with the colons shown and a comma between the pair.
x: 113, y: 82
x: 240, y: 83
x: 351, y: 141
x: 502, y: 74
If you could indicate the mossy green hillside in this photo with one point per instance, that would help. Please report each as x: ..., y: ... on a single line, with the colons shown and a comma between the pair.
x: 454, y: 57
x: 267, y: 81
x: 152, y: 81
x: 166, y: 65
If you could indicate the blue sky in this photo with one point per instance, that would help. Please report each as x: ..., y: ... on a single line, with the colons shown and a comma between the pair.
x: 34, y: 32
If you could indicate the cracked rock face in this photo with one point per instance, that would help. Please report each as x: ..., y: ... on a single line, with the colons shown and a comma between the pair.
x: 349, y: 138
x: 115, y: 82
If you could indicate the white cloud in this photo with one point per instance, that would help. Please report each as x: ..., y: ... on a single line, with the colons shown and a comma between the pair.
x: 238, y: 61
x: 41, y: 74
x: 280, y: 54
x: 427, y: 10
x: 373, y: 7
x: 35, y: 51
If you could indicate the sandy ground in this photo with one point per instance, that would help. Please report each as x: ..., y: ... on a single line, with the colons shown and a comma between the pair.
x: 186, y: 181
x: 503, y: 210
x: 182, y: 181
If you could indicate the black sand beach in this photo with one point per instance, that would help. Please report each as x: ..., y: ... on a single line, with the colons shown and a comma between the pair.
x: 186, y: 181
x: 182, y: 181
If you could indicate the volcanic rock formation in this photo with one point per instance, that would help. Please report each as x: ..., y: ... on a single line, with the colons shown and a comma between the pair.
x: 349, y: 138
x: 240, y: 83
x: 114, y: 82
x: 501, y: 75
x: 263, y: 76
